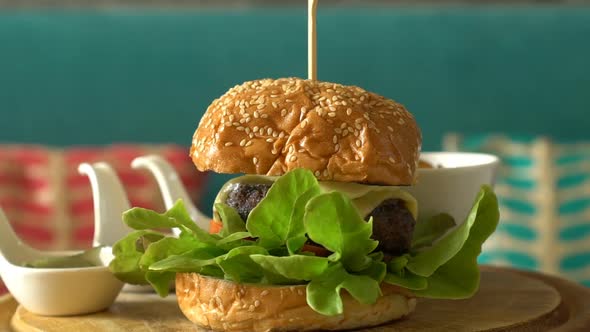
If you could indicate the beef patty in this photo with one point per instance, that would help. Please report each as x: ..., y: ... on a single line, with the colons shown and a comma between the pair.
x: 244, y: 197
x: 393, y: 224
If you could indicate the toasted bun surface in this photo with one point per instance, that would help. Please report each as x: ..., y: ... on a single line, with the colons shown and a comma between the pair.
x: 341, y: 133
x: 223, y: 305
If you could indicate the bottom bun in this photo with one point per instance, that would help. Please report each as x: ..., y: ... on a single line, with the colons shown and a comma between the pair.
x: 223, y: 305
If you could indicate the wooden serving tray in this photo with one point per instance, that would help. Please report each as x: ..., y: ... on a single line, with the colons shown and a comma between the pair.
x: 508, y: 300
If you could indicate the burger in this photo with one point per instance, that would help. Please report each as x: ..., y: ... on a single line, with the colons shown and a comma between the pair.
x: 316, y: 231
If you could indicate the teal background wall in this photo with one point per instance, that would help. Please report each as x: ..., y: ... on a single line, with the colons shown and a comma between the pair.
x: 70, y: 77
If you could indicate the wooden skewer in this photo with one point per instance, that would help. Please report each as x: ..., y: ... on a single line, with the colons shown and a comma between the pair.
x: 312, y: 67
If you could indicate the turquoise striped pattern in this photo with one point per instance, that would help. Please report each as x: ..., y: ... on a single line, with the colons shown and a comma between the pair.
x: 544, y: 195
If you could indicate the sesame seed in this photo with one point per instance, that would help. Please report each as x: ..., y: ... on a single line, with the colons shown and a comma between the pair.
x: 317, y: 173
x: 255, y: 128
x: 337, y: 147
x: 358, y: 120
x: 283, y: 112
x: 273, y: 151
x: 303, y: 110
x: 261, y: 131
x: 335, y: 139
x: 247, y: 129
x: 251, y: 308
x: 331, y: 114
x: 349, y: 111
x: 264, y: 116
x: 358, y: 126
x: 325, y: 172
x: 229, y: 144
x: 270, y: 140
x: 392, y: 160
x: 338, y: 130
x: 345, y: 132
x: 255, y: 160
x: 293, y: 158
x: 400, y: 121
x: 274, y: 104
x: 248, y: 143
x: 301, y: 150
x: 256, y: 303
x: 282, y: 134
x: 243, y: 120
x: 390, y: 128
x: 269, y: 131
x: 260, y: 106
x: 275, y: 134
x: 264, y: 293
x: 256, y: 114
x: 358, y: 143
x: 243, y: 142
x: 304, y: 123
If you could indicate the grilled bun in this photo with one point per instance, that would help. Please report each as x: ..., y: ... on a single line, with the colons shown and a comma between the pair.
x: 223, y: 305
x: 341, y: 133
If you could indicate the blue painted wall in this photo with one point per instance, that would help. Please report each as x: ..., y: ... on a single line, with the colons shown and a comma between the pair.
x: 97, y: 77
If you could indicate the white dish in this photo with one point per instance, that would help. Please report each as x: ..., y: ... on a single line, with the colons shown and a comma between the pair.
x: 55, y: 291
x: 453, y: 187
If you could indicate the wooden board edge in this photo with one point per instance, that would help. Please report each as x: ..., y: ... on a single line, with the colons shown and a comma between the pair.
x: 8, y: 306
x: 574, y: 311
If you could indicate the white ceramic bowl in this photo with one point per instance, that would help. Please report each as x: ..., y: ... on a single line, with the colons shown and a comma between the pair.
x: 63, y: 292
x: 55, y: 291
x: 453, y: 187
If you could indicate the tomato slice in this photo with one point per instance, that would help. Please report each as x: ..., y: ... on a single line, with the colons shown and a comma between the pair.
x: 215, y: 226
x: 318, y: 251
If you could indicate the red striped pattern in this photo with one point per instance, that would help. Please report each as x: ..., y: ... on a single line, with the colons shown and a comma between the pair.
x: 23, y: 182
x: 3, y: 289
x: 28, y: 192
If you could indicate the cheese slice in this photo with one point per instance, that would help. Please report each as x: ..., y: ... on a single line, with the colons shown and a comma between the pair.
x: 365, y: 197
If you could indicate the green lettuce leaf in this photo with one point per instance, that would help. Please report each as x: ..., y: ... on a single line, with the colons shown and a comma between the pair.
x: 239, y: 267
x: 270, y: 220
x: 296, y: 233
x: 192, y: 261
x: 296, y: 267
x: 332, y: 221
x: 175, y: 217
x: 128, y: 253
x: 232, y: 222
x: 425, y: 262
x: 160, y: 250
x: 426, y: 232
x: 323, y: 293
x: 407, y: 280
x: 459, y: 277
x: 161, y: 281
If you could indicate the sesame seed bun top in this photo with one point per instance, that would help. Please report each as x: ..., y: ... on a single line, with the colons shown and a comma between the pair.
x: 341, y: 133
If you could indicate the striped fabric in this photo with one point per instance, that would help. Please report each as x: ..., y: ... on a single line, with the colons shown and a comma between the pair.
x: 544, y: 193
x: 50, y: 205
